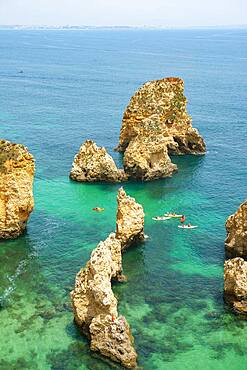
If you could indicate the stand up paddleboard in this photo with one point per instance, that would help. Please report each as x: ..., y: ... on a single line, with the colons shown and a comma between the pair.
x: 172, y: 215
x: 187, y: 227
x: 163, y: 218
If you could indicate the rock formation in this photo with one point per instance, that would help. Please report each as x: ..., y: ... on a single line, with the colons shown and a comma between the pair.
x: 130, y: 220
x: 93, y: 163
x: 236, y: 227
x: 154, y: 124
x: 235, y: 284
x: 94, y: 304
x: 16, y: 188
x: 147, y: 158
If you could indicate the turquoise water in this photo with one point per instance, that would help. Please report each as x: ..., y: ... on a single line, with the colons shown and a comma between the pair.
x: 76, y: 85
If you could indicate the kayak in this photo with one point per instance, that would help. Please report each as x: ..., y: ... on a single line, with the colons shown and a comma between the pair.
x: 172, y: 215
x: 160, y: 218
x: 187, y: 227
x: 98, y: 209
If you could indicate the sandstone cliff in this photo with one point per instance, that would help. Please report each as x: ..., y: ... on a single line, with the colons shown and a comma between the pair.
x: 93, y: 163
x: 236, y: 227
x: 154, y: 124
x: 235, y: 284
x: 94, y: 304
x: 16, y: 188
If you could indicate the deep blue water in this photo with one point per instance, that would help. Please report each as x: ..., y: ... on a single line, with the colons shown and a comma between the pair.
x: 75, y: 85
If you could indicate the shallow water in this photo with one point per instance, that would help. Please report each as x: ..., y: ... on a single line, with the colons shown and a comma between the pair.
x: 76, y: 85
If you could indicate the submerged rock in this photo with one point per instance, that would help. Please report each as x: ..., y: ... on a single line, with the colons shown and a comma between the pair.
x: 93, y: 163
x: 235, y: 284
x: 130, y: 220
x: 154, y: 124
x: 236, y: 227
x: 93, y: 301
x: 16, y: 188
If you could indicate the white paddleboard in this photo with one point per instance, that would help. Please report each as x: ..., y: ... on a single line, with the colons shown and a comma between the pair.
x: 187, y: 227
x: 161, y: 218
x: 172, y: 216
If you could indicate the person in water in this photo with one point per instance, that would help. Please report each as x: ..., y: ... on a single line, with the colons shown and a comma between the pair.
x: 182, y: 219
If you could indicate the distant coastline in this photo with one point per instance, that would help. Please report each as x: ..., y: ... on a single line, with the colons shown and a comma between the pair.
x: 123, y: 27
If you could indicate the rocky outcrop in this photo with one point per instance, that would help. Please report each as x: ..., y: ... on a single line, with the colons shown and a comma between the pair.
x: 236, y: 227
x: 16, y: 188
x: 93, y: 301
x: 147, y: 158
x: 93, y: 163
x: 130, y: 220
x: 235, y: 284
x: 95, y: 306
x: 154, y: 124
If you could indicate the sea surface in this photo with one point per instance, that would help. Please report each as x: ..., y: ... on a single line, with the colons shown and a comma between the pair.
x: 75, y: 85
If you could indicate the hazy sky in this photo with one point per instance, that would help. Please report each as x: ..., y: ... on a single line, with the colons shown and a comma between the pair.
x: 124, y: 12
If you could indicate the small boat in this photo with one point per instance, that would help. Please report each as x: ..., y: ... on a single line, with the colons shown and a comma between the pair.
x: 172, y: 215
x: 160, y: 218
x: 187, y: 227
x: 146, y: 237
x: 98, y: 209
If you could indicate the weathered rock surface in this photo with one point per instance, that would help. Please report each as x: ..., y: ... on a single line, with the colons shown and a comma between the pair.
x: 94, y: 304
x: 130, y: 220
x: 146, y: 158
x: 93, y: 163
x: 154, y: 124
x: 235, y: 284
x: 16, y: 188
x: 236, y: 227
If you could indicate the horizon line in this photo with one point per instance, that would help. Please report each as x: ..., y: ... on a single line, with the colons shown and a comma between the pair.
x: 68, y: 26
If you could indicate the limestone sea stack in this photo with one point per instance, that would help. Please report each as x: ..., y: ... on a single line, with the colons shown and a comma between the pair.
x: 146, y: 158
x: 156, y: 123
x: 93, y: 163
x: 130, y: 220
x: 236, y: 228
x: 16, y: 188
x: 93, y: 301
x: 235, y: 284
x: 95, y: 306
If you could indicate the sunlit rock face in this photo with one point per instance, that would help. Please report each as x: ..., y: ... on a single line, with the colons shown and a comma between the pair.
x: 16, y: 188
x: 146, y: 158
x: 235, y: 284
x: 95, y: 306
x: 156, y: 123
x: 93, y: 301
x: 93, y: 163
x: 236, y: 228
x: 130, y: 220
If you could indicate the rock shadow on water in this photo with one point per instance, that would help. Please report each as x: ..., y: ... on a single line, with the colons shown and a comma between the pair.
x: 77, y: 354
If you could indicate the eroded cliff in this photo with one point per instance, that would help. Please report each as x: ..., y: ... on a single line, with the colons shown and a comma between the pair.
x: 154, y: 124
x: 16, y: 188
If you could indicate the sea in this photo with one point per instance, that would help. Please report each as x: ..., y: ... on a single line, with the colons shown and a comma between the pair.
x: 61, y: 87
